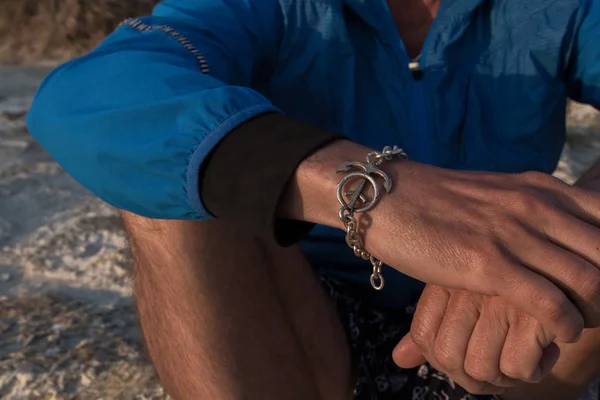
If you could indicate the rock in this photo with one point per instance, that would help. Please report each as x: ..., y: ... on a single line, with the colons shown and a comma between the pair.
x: 52, y: 352
x: 5, y: 230
x: 85, y: 380
x: 65, y: 346
x: 14, y: 144
x: 582, y: 117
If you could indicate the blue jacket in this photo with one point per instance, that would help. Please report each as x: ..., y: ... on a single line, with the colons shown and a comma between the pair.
x: 134, y: 119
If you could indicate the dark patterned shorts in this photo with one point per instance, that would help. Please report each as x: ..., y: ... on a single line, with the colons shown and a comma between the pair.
x: 373, y: 334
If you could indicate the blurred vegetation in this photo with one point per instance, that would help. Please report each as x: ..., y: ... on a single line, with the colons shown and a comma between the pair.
x: 33, y: 31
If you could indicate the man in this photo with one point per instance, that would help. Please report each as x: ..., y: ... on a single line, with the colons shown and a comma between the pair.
x: 235, y: 110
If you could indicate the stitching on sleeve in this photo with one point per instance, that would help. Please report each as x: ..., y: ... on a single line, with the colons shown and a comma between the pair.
x: 141, y: 26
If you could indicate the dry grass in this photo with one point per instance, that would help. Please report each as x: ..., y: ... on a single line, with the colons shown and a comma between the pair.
x: 56, y: 30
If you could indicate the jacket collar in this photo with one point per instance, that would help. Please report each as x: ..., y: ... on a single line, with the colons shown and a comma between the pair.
x: 376, y: 14
x: 370, y: 10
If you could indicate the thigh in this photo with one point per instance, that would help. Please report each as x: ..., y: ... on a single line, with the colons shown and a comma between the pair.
x: 315, y: 321
x: 227, y: 316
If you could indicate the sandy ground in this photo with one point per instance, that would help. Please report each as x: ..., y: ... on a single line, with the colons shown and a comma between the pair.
x: 67, y: 324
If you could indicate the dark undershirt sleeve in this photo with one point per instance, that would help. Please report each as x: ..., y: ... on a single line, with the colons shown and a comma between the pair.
x: 246, y: 174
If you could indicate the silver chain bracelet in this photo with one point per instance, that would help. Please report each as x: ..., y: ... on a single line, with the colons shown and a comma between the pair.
x: 358, y: 203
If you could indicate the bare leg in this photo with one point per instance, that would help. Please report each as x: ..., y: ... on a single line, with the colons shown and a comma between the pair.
x: 225, y: 316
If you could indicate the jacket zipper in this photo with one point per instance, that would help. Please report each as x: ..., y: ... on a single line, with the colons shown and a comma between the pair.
x: 420, y: 110
x: 419, y: 98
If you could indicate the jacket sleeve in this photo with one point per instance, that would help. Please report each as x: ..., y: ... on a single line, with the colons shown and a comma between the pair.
x: 133, y: 120
x: 583, y: 65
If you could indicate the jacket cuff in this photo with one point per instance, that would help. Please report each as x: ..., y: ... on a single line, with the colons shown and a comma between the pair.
x: 244, y: 177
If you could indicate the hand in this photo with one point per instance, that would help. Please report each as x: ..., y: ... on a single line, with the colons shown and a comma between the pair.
x: 528, y: 238
x: 481, y: 342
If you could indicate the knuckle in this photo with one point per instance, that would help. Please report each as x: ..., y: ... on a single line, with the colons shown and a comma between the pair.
x: 421, y: 335
x: 590, y: 287
x: 495, y: 269
x: 544, y: 336
x: 513, y: 228
x: 589, y: 293
x: 518, y: 319
x: 557, y: 310
x: 464, y: 298
x: 516, y: 370
x: 477, y: 370
x: 486, y: 254
x: 527, y: 202
x: 444, y: 359
x: 538, y: 178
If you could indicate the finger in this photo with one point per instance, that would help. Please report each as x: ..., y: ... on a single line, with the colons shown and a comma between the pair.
x: 540, y: 298
x: 471, y: 385
x: 574, y: 275
x: 549, y: 359
x: 482, y: 361
x: 574, y: 234
x: 453, y: 337
x: 528, y: 354
x: 407, y: 354
x: 452, y: 340
x: 426, y: 321
x: 582, y: 203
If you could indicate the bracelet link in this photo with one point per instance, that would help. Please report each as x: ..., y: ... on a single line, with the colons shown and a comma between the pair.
x: 368, y: 172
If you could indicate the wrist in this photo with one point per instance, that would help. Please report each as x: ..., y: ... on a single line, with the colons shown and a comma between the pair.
x: 311, y: 194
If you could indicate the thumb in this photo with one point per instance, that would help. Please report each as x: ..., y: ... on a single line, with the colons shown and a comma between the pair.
x: 407, y: 354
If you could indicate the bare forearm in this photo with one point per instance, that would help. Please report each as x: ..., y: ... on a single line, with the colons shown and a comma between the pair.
x: 311, y: 193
